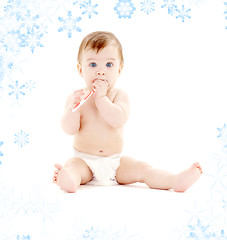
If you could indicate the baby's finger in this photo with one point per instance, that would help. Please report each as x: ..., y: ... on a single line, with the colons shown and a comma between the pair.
x: 76, y: 98
x: 106, y: 82
x: 78, y: 94
x: 98, y: 83
x: 76, y: 91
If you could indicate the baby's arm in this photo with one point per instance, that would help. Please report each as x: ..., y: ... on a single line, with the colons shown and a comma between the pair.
x: 115, y: 113
x: 70, y: 121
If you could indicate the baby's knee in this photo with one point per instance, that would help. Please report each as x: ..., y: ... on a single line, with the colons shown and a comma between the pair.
x: 79, y: 168
x: 72, y: 162
x: 143, y: 170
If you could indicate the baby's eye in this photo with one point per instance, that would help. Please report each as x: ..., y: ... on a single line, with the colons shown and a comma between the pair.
x: 109, y: 64
x: 93, y: 64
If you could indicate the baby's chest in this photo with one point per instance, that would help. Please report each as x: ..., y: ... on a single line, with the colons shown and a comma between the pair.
x: 91, y: 118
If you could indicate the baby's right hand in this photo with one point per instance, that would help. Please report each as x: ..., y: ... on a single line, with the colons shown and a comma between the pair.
x: 76, y: 98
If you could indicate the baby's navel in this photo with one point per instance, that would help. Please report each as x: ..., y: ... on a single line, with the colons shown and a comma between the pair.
x: 100, y: 151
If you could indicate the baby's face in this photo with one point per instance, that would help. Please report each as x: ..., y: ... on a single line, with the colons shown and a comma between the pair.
x: 104, y: 65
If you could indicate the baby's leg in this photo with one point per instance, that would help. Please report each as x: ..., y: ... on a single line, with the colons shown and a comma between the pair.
x: 132, y: 171
x: 74, y: 173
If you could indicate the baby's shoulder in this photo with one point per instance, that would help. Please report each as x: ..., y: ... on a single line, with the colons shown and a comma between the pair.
x: 117, y: 93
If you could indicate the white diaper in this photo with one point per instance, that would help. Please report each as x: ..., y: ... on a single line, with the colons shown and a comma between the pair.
x: 104, y: 169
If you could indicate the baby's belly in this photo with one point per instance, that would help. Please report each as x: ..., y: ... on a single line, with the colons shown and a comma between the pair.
x: 100, y: 143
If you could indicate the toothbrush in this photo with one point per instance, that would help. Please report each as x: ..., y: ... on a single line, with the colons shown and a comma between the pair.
x: 83, y: 101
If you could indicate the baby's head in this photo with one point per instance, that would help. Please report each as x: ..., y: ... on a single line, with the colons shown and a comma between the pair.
x: 100, y: 58
x: 98, y: 41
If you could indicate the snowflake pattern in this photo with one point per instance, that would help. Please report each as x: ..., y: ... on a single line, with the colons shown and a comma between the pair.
x: 15, y: 8
x: 91, y: 234
x: 225, y: 13
x: 21, y: 138
x: 178, y: 11
x: 32, y: 38
x: 1, y: 72
x: 219, y: 179
x: 94, y: 233
x: 88, y: 8
x: 147, y: 6
x: 17, y: 90
x: 1, y: 153
x: 25, y: 30
x: 124, y: 8
x: 170, y: 5
x: 183, y: 13
x: 30, y: 85
x: 199, y: 231
x: 69, y: 24
x: 80, y: 3
x: 223, y: 135
x: 23, y: 237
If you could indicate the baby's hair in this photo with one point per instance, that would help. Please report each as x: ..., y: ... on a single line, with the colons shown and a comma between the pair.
x: 97, y: 41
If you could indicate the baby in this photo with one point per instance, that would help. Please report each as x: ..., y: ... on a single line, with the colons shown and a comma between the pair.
x: 97, y: 127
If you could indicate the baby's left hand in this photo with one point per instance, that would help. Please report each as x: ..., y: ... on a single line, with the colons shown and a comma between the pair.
x: 101, y: 87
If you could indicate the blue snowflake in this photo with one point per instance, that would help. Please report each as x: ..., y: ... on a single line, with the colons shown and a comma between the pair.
x: 199, y: 232
x: 23, y: 28
x: 91, y: 234
x: 9, y: 41
x: 17, y: 89
x: 30, y: 85
x: 21, y: 138
x: 170, y: 5
x: 89, y: 9
x: 222, y: 235
x: 224, y: 203
x: 147, y: 6
x: 223, y: 135
x: 80, y: 3
x: 222, y: 131
x: 31, y: 38
x: 1, y: 71
x: 108, y: 233
x: 69, y: 24
x: 225, y: 3
x: 183, y: 13
x: 218, y: 178
x: 1, y: 153
x: 14, y: 8
x: 23, y: 237
x: 27, y: 19
x: 124, y: 8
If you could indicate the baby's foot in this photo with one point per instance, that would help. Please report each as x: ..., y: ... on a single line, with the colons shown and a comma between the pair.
x: 185, y: 179
x: 63, y: 179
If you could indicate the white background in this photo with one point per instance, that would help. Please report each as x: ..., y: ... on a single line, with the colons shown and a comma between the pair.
x: 175, y: 75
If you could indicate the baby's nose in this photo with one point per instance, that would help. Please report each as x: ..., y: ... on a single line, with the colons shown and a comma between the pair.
x: 101, y: 73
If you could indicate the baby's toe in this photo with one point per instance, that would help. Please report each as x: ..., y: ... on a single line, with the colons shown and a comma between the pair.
x: 58, y: 166
x: 54, y: 179
x: 196, y: 165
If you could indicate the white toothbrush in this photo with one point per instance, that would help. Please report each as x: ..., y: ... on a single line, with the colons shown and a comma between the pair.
x: 83, y: 100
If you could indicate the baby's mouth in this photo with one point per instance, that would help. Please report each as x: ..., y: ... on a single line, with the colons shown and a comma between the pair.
x: 101, y: 80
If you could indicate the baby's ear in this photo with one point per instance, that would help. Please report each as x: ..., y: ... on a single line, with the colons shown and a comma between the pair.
x: 79, y: 68
x: 120, y: 69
